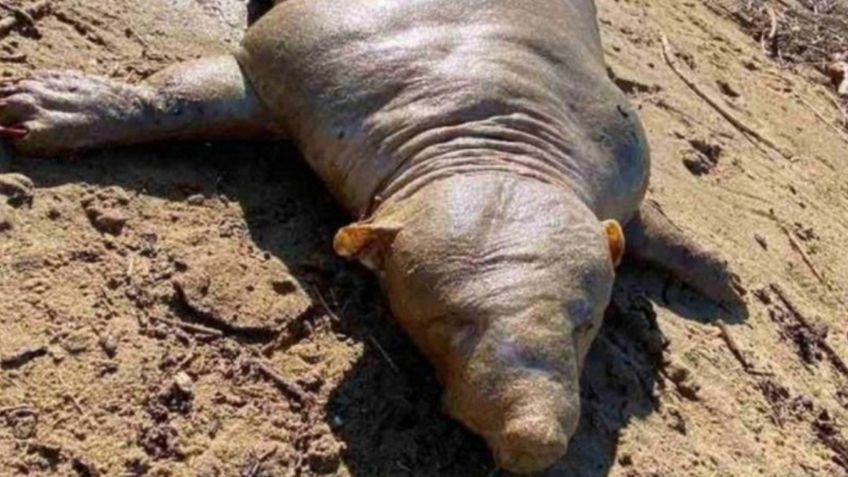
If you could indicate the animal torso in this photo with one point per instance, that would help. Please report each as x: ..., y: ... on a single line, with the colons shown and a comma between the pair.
x: 385, y: 96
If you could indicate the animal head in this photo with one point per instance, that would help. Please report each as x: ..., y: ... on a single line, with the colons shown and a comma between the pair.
x: 502, y: 282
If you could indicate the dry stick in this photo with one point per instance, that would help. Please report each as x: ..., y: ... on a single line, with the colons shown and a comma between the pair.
x: 385, y: 355
x: 737, y: 352
x: 281, y: 382
x: 191, y: 356
x: 806, y: 258
x: 772, y: 31
x: 190, y: 326
x: 821, y: 116
x: 23, y: 16
x: 267, y: 455
x: 16, y: 58
x: 734, y: 348
x: 269, y: 348
x: 131, y: 268
x: 11, y: 409
x: 790, y: 305
x: 738, y: 124
x: 371, y: 338
x: 326, y: 306
x: 773, y: 18
x: 254, y: 471
x: 73, y: 399
x: 68, y: 395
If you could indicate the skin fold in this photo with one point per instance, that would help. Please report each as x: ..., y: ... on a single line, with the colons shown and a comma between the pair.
x: 483, y: 152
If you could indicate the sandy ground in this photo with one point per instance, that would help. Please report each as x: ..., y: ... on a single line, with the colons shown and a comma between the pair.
x: 176, y: 309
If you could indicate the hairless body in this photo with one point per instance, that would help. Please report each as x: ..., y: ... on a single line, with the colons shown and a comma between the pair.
x: 487, y: 159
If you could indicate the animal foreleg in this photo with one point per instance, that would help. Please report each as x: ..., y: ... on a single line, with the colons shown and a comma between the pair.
x: 60, y: 111
x: 652, y: 238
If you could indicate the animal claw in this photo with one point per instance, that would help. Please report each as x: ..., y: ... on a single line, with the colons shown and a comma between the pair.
x: 13, y: 132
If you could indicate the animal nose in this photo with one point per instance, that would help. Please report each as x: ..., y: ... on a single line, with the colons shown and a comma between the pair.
x: 531, y: 443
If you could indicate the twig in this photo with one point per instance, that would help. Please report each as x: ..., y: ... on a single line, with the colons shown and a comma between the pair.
x: 191, y: 356
x: 806, y: 258
x: 384, y: 353
x: 131, y: 268
x: 737, y: 123
x: 269, y: 348
x: 325, y: 306
x: 731, y: 343
x: 267, y: 455
x: 821, y: 116
x: 25, y: 16
x: 190, y: 326
x: 15, y: 58
x: 790, y: 305
x: 773, y: 19
x: 14, y: 409
x: 73, y: 399
x: 68, y: 395
x: 284, y: 384
x: 254, y: 470
x: 737, y: 352
x: 771, y: 35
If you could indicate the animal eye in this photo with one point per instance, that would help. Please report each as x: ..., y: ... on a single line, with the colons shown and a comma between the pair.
x: 580, y: 314
x: 584, y: 328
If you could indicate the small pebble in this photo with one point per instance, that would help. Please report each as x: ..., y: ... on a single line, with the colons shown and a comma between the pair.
x: 109, y: 345
x: 184, y: 383
x: 111, y: 222
x: 76, y: 343
x: 677, y: 421
x: 196, y: 199
x: 57, y: 353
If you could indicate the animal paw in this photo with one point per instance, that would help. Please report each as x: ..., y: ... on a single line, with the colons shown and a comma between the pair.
x: 59, y: 111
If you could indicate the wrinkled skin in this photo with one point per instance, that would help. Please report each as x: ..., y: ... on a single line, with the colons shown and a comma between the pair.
x: 506, y: 322
x: 481, y: 146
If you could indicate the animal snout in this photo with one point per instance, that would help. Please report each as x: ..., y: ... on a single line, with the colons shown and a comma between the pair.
x: 531, y: 443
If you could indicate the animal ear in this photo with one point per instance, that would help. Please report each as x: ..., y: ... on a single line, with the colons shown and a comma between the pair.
x: 615, y: 240
x: 365, y: 242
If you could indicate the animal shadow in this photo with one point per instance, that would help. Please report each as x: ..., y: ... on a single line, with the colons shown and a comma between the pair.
x: 386, y: 409
x: 256, y: 9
